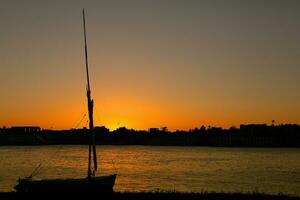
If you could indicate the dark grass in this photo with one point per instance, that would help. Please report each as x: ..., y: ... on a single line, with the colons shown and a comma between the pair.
x: 202, y: 195
x: 160, y: 195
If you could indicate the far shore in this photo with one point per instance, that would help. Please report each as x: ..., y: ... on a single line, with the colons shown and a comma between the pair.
x: 252, y: 135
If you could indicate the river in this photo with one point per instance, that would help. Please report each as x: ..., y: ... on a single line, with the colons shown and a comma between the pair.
x: 148, y: 168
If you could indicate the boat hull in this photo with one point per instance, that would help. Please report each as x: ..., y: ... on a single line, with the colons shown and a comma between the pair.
x: 94, y: 184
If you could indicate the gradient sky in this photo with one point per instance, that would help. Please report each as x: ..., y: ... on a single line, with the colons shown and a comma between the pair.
x: 180, y: 64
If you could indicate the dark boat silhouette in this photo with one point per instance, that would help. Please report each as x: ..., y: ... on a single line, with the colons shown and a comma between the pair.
x: 91, y: 183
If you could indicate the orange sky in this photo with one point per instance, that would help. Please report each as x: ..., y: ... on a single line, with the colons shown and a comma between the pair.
x: 180, y: 65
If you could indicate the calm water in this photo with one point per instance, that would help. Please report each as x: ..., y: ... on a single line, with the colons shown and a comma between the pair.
x: 143, y: 168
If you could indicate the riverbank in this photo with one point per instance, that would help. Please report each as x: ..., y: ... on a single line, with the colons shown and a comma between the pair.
x: 162, y: 195
x: 253, y: 135
x: 174, y: 139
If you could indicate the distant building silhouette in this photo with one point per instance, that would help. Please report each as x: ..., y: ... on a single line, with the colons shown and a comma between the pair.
x: 248, y: 135
x: 101, y: 130
x: 25, y: 129
x: 153, y: 130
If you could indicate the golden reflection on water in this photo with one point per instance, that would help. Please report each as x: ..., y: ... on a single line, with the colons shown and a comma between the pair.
x: 144, y: 168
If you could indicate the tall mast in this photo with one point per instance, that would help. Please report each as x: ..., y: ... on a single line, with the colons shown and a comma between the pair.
x: 92, y: 146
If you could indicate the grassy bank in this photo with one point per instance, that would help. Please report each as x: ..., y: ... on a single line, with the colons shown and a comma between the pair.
x: 163, y: 195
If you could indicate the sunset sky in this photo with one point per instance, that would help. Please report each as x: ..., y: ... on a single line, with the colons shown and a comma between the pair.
x: 180, y: 64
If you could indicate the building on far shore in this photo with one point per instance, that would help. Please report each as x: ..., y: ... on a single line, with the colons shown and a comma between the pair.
x: 25, y: 129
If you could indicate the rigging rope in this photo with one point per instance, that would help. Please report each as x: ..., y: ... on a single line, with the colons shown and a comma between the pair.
x: 80, y: 121
x: 35, y: 171
x: 42, y: 164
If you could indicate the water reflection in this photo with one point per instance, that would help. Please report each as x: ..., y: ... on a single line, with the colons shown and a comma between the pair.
x: 168, y: 168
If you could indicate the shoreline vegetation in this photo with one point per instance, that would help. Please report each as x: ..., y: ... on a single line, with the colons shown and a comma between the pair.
x: 165, y: 195
x: 251, y: 135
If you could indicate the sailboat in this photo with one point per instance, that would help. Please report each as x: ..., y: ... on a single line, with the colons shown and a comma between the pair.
x: 91, y: 183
